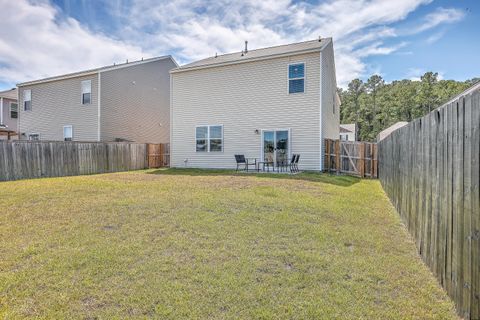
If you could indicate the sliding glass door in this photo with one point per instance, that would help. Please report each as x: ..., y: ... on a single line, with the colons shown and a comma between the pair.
x: 275, y: 146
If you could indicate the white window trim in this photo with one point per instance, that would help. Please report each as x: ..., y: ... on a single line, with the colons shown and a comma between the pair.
x: 262, y: 142
x: 208, y: 138
x: 82, y: 93
x: 304, y: 77
x: 23, y: 99
x: 10, y: 110
x: 71, y: 129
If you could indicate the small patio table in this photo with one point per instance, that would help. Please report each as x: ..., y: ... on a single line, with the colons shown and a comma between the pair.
x: 263, y: 163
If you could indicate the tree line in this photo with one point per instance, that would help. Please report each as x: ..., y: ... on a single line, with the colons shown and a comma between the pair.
x: 375, y: 105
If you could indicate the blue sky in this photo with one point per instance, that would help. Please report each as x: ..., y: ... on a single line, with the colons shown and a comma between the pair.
x: 396, y: 39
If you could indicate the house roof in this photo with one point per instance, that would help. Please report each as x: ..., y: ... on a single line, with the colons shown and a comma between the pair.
x: 256, y: 54
x: 385, y: 133
x: 350, y: 127
x: 9, y: 94
x: 96, y: 70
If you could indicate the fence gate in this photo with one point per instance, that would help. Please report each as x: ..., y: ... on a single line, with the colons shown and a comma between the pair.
x: 158, y: 155
x: 351, y: 157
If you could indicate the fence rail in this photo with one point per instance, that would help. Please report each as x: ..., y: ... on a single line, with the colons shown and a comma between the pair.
x: 430, y: 171
x: 351, y: 157
x: 36, y: 159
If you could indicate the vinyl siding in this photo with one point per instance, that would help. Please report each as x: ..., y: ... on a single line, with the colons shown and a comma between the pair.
x: 7, y: 120
x: 245, y: 97
x: 135, y: 103
x: 330, y: 119
x: 59, y: 103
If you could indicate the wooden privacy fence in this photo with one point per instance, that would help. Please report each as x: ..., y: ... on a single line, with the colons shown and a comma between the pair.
x: 36, y: 159
x: 158, y: 155
x: 351, y: 157
x: 430, y: 171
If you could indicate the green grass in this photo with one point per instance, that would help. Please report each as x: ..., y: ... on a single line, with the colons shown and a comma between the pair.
x: 196, y: 244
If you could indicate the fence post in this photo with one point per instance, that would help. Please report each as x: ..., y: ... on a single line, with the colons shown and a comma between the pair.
x: 362, y: 159
x: 371, y: 147
x: 337, y: 156
x: 327, y: 155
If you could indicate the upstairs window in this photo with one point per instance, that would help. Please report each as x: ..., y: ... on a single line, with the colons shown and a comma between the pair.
x: 209, y: 138
x: 86, y: 91
x: 27, y: 100
x: 13, y: 110
x: 296, y: 78
x: 67, y: 133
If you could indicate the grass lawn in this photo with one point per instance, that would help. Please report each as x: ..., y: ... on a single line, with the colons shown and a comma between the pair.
x: 174, y: 244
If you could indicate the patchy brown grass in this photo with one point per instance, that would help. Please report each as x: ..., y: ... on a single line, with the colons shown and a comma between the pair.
x: 209, y: 245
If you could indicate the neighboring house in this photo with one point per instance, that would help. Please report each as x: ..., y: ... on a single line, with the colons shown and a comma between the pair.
x: 125, y: 102
x: 8, y: 113
x: 348, y: 132
x: 385, y: 133
x: 267, y: 104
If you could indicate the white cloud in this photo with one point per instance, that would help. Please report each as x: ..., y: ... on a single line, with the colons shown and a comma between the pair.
x: 196, y: 31
x: 414, y: 74
x: 35, y: 42
x: 438, y: 17
x: 435, y: 37
x: 376, y: 48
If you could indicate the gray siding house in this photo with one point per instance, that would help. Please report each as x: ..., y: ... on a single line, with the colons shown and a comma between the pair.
x: 267, y: 104
x: 125, y: 102
x: 8, y: 112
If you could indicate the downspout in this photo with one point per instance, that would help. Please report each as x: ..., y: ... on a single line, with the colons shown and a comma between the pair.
x: 170, y: 127
x: 98, y: 105
x: 321, y: 114
x: 1, y: 110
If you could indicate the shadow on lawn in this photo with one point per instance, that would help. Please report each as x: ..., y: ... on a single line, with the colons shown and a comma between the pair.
x: 338, y: 180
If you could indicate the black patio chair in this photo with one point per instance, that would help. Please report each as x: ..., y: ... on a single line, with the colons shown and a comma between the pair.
x: 292, y: 163
x: 242, y: 161
x: 295, y: 165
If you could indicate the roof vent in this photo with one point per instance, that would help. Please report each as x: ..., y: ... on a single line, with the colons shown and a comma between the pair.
x: 246, y: 47
x: 216, y: 55
x: 319, y: 38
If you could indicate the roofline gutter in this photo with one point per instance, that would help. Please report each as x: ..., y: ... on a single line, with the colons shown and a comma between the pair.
x: 92, y: 72
x: 278, y: 55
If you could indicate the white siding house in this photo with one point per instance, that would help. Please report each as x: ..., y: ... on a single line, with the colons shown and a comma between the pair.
x: 266, y: 104
x: 348, y: 132
x: 125, y: 102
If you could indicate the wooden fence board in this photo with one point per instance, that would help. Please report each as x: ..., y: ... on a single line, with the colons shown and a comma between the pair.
x: 430, y: 170
x: 475, y: 204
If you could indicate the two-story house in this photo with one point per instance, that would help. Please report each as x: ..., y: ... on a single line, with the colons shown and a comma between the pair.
x: 124, y: 102
x: 267, y: 104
